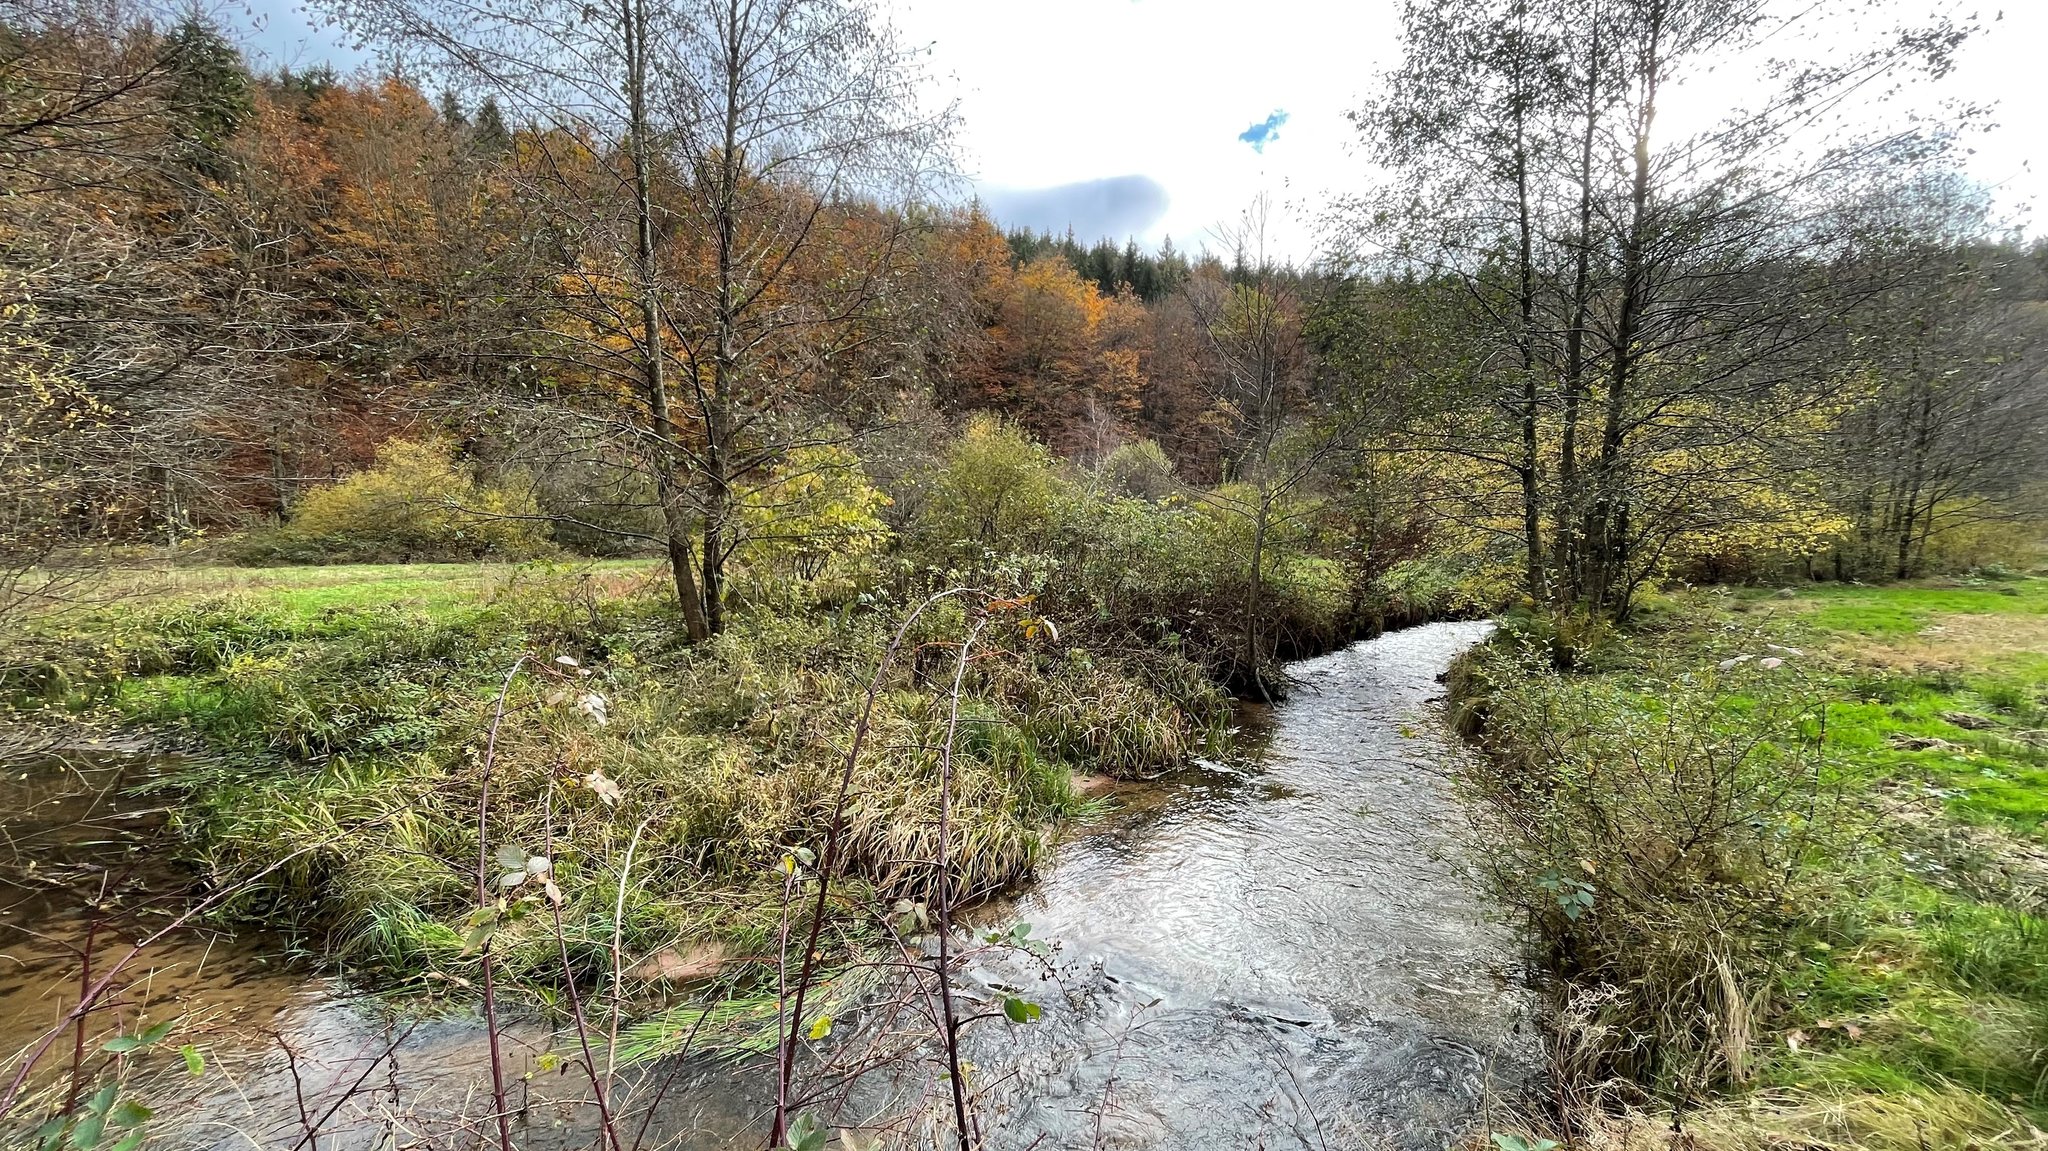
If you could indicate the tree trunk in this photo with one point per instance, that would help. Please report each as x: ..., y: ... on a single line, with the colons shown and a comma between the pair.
x: 718, y: 430
x: 1254, y: 589
x: 1607, y: 525
x: 1569, y: 497
x: 675, y: 518
x: 1525, y: 289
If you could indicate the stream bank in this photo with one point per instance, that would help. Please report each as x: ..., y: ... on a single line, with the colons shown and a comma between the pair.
x: 1282, y: 950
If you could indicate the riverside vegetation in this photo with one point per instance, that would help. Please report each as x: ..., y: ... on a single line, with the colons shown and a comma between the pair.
x: 1784, y: 857
x: 345, y: 709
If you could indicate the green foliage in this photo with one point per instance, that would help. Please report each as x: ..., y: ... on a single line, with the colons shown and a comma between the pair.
x: 211, y: 95
x: 1131, y: 572
x: 818, y: 504
x: 111, y: 1118
x: 1139, y: 470
x: 1447, y: 586
x: 1654, y: 831
x: 415, y: 504
x: 995, y: 494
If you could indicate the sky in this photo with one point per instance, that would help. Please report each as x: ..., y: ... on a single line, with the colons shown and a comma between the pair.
x: 1151, y: 118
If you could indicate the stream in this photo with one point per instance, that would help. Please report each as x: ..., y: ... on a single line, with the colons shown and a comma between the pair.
x: 1281, y: 951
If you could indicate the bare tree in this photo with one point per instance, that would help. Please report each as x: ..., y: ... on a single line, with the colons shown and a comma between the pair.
x: 126, y: 343
x: 1948, y: 421
x: 718, y: 195
x: 1636, y: 320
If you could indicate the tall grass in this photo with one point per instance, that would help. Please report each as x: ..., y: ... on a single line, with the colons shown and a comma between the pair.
x: 349, y: 747
x: 1753, y: 915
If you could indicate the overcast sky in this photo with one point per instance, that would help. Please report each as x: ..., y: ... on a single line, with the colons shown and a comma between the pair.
x: 1157, y: 117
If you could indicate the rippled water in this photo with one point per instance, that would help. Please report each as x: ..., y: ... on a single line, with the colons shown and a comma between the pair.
x: 1282, y: 951
x: 1286, y: 950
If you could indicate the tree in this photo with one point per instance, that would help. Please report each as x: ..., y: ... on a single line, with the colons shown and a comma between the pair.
x: 1253, y: 325
x: 1623, y: 308
x: 1947, y: 422
x: 711, y: 184
x: 110, y: 258
x: 209, y: 96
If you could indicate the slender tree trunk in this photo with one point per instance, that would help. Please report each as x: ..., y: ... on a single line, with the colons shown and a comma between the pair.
x: 675, y: 517
x: 1909, y: 499
x: 1570, y: 499
x: 1608, y: 524
x: 1525, y: 291
x: 718, y: 431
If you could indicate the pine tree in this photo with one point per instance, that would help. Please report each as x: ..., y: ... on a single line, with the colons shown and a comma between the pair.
x: 211, y: 95
x: 1136, y: 270
x: 452, y: 116
x: 490, y: 136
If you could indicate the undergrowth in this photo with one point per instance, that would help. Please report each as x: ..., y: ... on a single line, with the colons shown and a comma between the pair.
x: 1781, y: 856
x: 664, y: 780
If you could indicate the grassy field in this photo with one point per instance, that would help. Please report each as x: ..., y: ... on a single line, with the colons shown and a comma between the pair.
x: 1939, y: 687
x: 1810, y: 831
x: 1925, y: 995
x: 307, y: 591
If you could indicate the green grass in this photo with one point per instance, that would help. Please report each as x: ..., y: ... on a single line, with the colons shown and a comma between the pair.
x: 1908, y: 1007
x: 310, y: 591
x: 1934, y: 979
x: 347, y: 708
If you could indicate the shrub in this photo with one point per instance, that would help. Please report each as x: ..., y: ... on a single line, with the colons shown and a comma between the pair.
x: 1445, y: 586
x: 1139, y: 470
x: 817, y: 504
x: 1656, y: 836
x: 996, y: 493
x: 415, y: 504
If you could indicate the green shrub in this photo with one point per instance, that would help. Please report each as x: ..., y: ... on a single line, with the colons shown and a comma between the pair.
x: 995, y: 494
x: 1656, y: 833
x: 1139, y: 470
x: 415, y: 504
x: 1449, y: 586
x: 817, y: 506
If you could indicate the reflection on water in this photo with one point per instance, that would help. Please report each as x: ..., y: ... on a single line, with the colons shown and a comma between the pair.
x: 84, y: 875
x: 1281, y: 951
x: 1287, y: 951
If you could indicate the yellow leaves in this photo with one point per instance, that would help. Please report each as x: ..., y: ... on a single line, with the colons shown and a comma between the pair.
x: 416, y: 496
x: 1051, y: 291
x: 816, y: 503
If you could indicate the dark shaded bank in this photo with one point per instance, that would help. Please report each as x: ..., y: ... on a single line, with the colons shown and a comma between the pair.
x: 1375, y: 616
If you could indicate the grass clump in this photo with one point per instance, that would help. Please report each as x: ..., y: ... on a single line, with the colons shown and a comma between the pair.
x: 1780, y: 856
x: 350, y: 748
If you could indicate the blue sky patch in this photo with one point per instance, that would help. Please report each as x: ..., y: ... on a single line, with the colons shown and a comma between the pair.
x: 1264, y: 132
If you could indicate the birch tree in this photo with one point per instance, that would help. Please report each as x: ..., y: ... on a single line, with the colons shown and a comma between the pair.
x: 718, y: 196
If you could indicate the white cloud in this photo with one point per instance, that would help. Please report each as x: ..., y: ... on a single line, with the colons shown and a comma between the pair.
x: 1063, y: 91
x: 1057, y: 92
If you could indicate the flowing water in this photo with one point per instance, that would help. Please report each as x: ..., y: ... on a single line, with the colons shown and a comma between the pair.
x: 1285, y: 950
